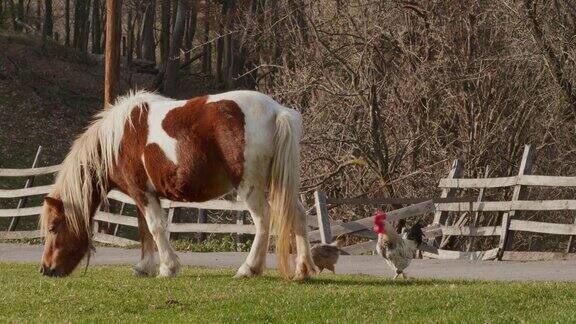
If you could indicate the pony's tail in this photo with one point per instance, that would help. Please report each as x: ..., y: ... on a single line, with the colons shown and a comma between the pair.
x: 284, y: 183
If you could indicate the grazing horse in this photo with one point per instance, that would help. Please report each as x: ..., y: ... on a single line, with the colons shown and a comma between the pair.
x: 152, y: 147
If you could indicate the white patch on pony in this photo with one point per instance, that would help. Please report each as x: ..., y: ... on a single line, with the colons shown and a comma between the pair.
x: 260, y: 113
x: 156, y: 133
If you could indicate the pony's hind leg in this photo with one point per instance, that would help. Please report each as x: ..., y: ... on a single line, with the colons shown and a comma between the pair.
x: 156, y: 219
x: 259, y: 210
x: 146, y: 267
x: 305, y: 266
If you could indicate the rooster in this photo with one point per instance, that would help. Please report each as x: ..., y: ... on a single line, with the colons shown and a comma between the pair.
x: 325, y: 256
x: 396, y: 249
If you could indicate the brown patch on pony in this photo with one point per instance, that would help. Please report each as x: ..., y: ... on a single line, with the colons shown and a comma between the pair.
x: 130, y: 175
x: 210, y: 151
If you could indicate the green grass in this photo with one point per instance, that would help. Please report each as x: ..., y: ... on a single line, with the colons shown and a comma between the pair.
x: 206, y: 295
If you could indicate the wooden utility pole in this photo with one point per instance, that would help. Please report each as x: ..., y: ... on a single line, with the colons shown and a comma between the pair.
x: 112, y: 52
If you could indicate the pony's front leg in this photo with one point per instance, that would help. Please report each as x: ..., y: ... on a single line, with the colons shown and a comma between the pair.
x: 256, y: 260
x: 146, y: 267
x: 157, y: 223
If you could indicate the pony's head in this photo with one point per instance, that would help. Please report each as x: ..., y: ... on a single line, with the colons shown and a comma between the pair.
x: 64, y: 246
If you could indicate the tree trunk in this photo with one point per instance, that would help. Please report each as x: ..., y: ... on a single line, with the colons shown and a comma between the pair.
x: 2, y: 13
x: 20, y: 14
x: 165, y: 31
x: 38, y: 14
x: 173, y: 63
x: 48, y: 19
x: 67, y: 22
x: 86, y: 27
x: 190, y: 31
x: 207, y: 59
x: 81, y: 25
x: 13, y: 14
x: 220, y: 42
x: 112, y: 55
x: 130, y: 35
x: 96, y: 27
x: 148, y: 46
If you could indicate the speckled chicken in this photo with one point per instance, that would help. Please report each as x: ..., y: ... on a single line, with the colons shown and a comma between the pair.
x: 325, y: 256
x: 398, y: 250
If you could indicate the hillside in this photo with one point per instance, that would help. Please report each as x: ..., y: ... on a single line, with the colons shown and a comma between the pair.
x: 48, y: 95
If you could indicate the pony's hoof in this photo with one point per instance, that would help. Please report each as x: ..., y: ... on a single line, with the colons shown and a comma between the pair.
x: 304, y: 272
x: 142, y: 273
x: 168, y: 271
x: 245, y: 271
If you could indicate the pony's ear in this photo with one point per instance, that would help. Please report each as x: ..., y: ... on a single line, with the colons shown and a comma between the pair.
x: 54, y: 203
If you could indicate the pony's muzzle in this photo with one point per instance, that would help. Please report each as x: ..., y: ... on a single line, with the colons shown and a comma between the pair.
x: 47, y: 271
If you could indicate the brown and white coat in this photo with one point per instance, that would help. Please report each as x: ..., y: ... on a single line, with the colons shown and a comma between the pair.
x: 151, y: 147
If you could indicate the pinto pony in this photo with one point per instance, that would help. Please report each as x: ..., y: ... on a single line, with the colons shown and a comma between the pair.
x: 150, y: 147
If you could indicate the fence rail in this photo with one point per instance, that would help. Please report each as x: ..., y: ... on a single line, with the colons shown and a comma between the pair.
x: 440, y: 233
x: 113, y: 218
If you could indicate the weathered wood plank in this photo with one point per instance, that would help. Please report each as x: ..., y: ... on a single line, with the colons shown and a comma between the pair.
x: 29, y: 172
x: 25, y: 192
x: 456, y: 171
x: 478, y: 183
x: 504, y: 206
x: 116, y: 219
x: 500, y: 182
x: 114, y: 240
x: 211, y: 228
x: 520, y: 192
x: 17, y: 235
x: 393, y: 201
x: 323, y: 217
x: 366, y: 223
x: 471, y: 231
x: 360, y: 248
x: 211, y: 204
x: 546, y: 181
x: 29, y: 183
x: 540, y: 227
x: 537, y: 256
x: 441, y: 217
x: 15, y: 212
x: 458, y: 255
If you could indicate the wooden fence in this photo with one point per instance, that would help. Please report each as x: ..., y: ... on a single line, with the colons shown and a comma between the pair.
x: 450, y: 213
x: 444, y: 227
x: 22, y: 210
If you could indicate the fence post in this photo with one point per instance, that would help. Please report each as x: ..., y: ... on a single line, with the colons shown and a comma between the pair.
x: 29, y: 182
x: 323, y: 217
x: 570, y: 240
x: 201, y: 220
x: 440, y: 217
x: 169, y: 220
x: 474, y: 222
x: 240, y: 219
x: 120, y: 213
x: 520, y: 192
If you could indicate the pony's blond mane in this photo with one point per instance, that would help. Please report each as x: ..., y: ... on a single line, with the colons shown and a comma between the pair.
x: 86, y: 169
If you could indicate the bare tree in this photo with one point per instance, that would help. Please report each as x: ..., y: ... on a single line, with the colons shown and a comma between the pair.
x: 173, y: 62
x: 148, y: 44
x: 48, y: 19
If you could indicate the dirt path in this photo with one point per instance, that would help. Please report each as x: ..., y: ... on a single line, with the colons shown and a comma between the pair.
x: 368, y: 265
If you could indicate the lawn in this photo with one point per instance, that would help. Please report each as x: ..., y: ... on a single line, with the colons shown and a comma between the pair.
x: 207, y: 295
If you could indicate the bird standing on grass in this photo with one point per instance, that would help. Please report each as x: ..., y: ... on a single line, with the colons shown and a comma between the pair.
x: 325, y: 256
x: 396, y: 249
